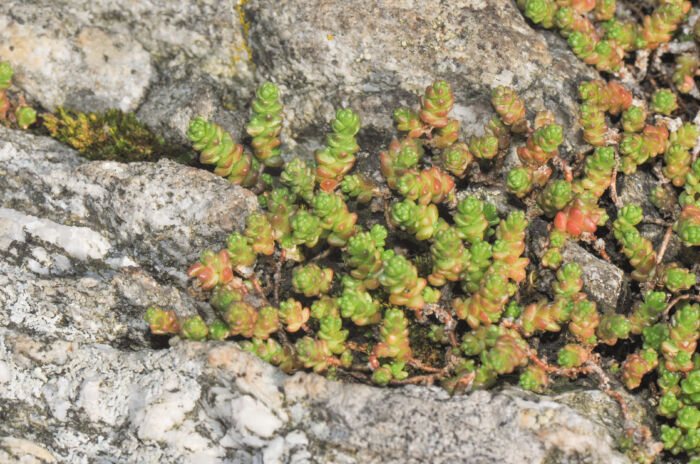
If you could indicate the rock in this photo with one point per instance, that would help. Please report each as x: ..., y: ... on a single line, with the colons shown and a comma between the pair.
x: 181, y: 210
x: 378, y: 56
x: 86, y: 247
x: 212, y: 403
x: 88, y: 68
x: 604, y: 283
x: 93, y: 55
x: 183, y: 94
x: 635, y: 189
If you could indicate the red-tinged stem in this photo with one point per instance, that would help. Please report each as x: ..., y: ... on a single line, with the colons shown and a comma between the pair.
x: 419, y: 365
x: 428, y: 379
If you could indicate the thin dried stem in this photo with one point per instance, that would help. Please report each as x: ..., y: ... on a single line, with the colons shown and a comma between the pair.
x: 675, y: 301
x: 613, y: 185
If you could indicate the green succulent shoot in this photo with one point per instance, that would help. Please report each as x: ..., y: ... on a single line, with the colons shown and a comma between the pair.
x: 266, y: 124
x: 25, y: 116
x: 519, y: 181
x: 194, y: 328
x: 299, y: 178
x: 555, y: 196
x: 664, y: 101
x: 549, y: 137
x: 311, y: 280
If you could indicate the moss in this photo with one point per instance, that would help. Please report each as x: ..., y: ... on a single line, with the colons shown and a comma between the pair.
x: 114, y: 135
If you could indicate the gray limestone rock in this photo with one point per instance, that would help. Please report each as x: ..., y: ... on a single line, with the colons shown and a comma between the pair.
x: 85, y: 68
x: 172, y: 61
x: 636, y: 189
x: 86, y: 247
x: 180, y: 210
x: 184, y: 93
x: 604, y: 282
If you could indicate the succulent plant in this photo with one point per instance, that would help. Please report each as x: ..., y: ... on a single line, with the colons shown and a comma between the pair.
x: 217, y: 147
x: 311, y: 280
x: 338, y: 156
x: 265, y: 125
x: 400, y: 280
x: 429, y: 185
x: 335, y: 218
x: 299, y: 179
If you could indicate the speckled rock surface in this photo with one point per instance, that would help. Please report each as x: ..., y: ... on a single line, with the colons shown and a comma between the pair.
x: 86, y: 67
x: 94, y: 55
x: 635, y: 189
x: 186, y: 209
x: 85, y: 247
x: 182, y: 94
x: 604, y: 282
x: 212, y: 403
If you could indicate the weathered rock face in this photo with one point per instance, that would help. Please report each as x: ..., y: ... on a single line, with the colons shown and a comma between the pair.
x: 95, y: 55
x: 86, y: 247
x: 188, y: 209
x: 212, y: 403
x: 604, y: 282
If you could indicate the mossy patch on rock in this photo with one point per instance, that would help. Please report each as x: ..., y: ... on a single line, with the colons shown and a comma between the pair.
x: 113, y: 135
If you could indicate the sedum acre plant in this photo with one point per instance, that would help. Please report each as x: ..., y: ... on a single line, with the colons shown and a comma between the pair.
x: 379, y: 270
x: 13, y: 114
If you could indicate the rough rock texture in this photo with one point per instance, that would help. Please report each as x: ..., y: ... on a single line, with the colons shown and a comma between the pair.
x: 604, y: 282
x: 211, y: 403
x: 636, y: 189
x: 377, y: 56
x: 80, y: 380
x: 84, y: 247
x: 185, y: 209
x: 94, y: 55
x: 183, y: 93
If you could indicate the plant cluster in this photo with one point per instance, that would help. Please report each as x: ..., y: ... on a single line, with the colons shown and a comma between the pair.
x: 13, y: 114
x: 360, y: 299
x: 598, y: 36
